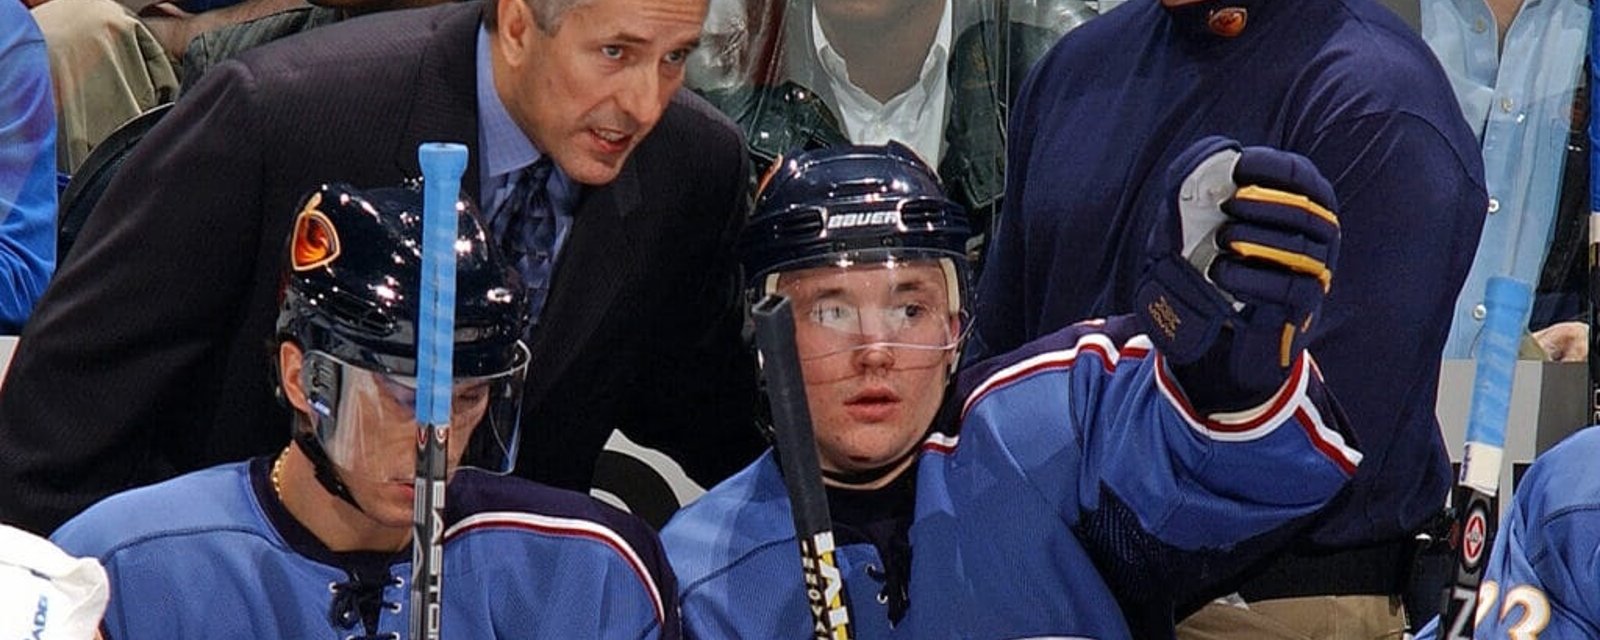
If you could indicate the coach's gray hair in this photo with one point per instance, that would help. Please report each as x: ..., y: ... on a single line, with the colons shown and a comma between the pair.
x: 547, y: 14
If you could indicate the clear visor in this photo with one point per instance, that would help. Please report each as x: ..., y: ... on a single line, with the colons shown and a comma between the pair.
x: 366, y: 421
x: 902, y: 313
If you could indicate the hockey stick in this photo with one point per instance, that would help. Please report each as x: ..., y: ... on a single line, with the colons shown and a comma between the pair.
x: 1509, y: 302
x: 442, y: 166
x: 797, y: 452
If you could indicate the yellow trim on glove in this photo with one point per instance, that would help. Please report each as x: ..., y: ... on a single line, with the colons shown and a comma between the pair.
x: 1284, y: 344
x: 1274, y: 196
x: 1297, y: 262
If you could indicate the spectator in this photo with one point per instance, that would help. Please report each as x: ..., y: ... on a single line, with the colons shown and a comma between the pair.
x: 929, y: 74
x: 106, y: 67
x: 212, y: 46
x: 1515, y: 69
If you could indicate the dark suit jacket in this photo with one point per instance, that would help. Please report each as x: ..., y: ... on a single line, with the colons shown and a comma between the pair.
x: 148, y: 356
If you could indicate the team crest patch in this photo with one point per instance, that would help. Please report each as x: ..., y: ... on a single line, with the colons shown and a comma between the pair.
x: 1474, y: 538
x: 315, y: 242
x: 1228, y: 22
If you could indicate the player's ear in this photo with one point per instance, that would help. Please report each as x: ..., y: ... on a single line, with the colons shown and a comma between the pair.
x: 290, y: 361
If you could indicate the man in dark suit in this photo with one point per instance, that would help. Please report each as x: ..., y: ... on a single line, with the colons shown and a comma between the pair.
x: 147, y: 357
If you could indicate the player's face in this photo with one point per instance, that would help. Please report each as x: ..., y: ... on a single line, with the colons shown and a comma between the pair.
x: 875, y: 345
x: 589, y: 92
x: 377, y: 424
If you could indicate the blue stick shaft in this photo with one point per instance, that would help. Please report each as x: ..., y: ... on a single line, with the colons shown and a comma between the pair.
x: 442, y: 167
x: 1508, y: 301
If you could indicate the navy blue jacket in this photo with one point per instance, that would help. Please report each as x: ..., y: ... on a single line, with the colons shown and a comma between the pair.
x: 1342, y: 82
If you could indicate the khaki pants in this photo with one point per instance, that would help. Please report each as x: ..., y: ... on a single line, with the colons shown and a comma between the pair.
x: 1309, y: 618
x: 106, y: 68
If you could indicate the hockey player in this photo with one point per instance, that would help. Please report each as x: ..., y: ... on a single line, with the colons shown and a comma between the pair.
x: 1540, y: 580
x: 313, y: 542
x: 1069, y: 488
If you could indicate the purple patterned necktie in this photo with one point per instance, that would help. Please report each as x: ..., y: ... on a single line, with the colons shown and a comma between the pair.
x: 525, y: 228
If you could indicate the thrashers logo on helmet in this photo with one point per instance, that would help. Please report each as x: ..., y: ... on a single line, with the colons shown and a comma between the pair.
x: 766, y: 178
x: 315, y: 241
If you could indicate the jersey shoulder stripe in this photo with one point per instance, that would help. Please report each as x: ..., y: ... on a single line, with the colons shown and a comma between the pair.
x: 567, y: 527
x: 481, y: 501
x: 1102, y: 345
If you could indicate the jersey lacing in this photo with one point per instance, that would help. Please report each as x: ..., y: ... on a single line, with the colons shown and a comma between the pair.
x: 360, y: 599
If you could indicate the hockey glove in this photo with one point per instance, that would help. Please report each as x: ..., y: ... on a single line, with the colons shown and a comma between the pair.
x: 1239, y: 266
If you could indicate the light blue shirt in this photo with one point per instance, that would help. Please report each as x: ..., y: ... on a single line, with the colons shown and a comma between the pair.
x: 504, y: 150
x: 1518, y: 102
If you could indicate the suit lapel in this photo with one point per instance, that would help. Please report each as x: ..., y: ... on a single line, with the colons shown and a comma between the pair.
x: 445, y: 108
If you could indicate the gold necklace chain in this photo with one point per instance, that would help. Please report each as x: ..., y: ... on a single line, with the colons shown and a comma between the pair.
x: 277, y: 474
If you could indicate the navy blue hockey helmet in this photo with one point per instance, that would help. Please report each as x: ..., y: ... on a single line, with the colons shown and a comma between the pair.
x: 878, y: 217
x: 353, y: 281
x: 350, y: 301
x: 850, y: 200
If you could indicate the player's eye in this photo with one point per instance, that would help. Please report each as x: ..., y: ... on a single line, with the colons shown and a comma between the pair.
x: 398, y: 391
x: 471, y: 397
x: 677, y: 57
x: 611, y: 52
x: 835, y: 316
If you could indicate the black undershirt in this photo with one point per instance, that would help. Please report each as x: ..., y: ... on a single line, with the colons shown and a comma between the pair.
x: 881, y: 517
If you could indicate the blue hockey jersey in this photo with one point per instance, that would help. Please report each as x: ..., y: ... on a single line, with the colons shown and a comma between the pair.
x: 1080, y: 481
x: 1542, y: 574
x: 214, y: 554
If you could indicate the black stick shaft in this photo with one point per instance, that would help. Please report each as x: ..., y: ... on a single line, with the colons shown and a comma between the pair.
x: 797, y: 453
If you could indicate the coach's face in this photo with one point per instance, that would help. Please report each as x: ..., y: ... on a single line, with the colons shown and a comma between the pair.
x: 588, y: 90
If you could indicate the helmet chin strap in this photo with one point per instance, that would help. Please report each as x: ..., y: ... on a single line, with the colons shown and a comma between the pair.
x: 327, y: 475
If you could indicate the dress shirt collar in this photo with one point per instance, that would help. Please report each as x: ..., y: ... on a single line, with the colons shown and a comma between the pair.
x: 933, y: 66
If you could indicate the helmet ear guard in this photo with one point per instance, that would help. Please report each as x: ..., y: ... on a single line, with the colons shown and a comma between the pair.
x: 321, y: 378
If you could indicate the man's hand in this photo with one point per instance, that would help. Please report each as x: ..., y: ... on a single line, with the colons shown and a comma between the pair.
x: 1240, y: 265
x: 1564, y: 342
